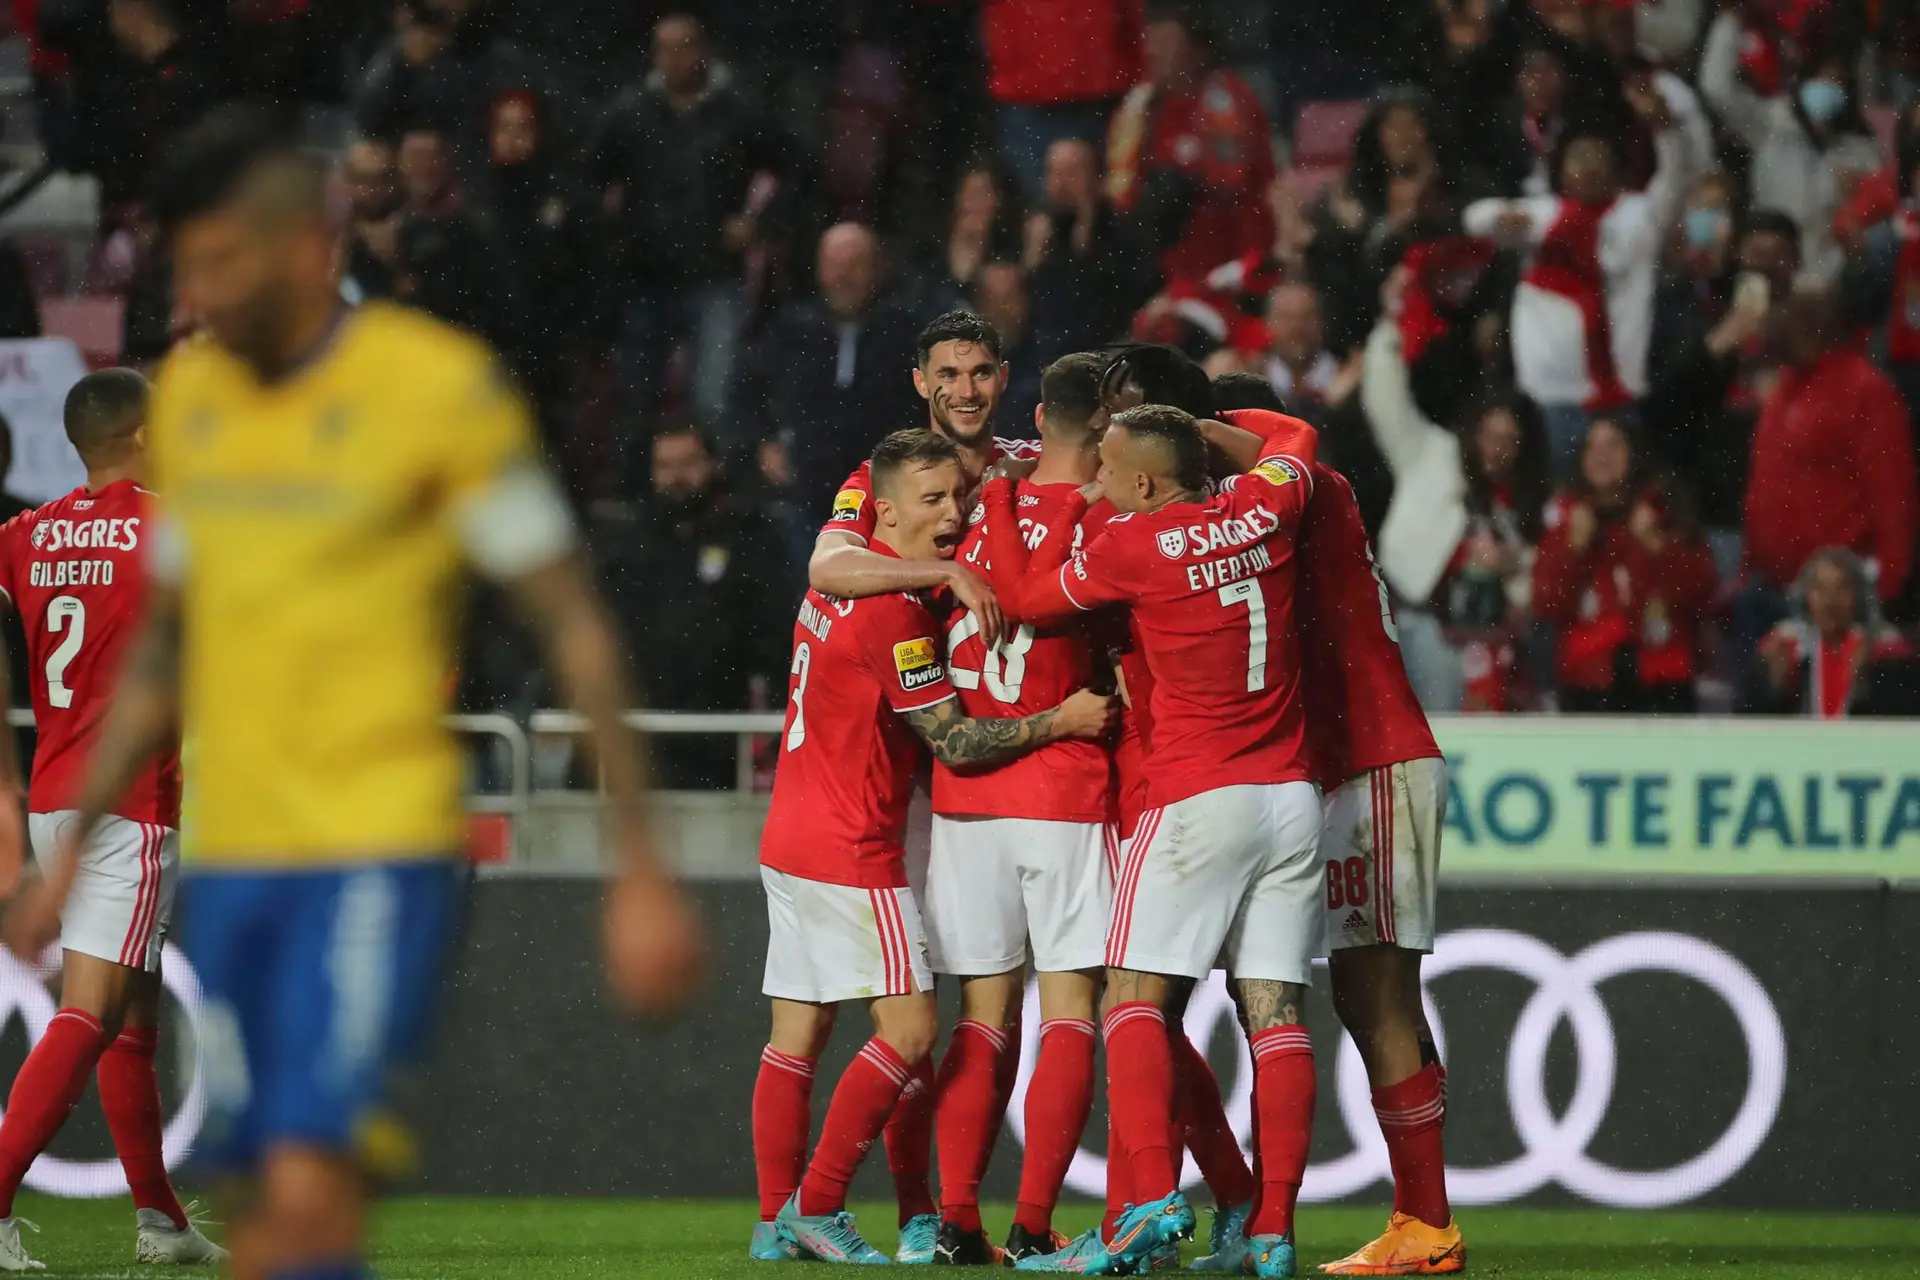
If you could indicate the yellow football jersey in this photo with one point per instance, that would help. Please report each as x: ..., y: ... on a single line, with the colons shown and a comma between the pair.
x: 318, y: 523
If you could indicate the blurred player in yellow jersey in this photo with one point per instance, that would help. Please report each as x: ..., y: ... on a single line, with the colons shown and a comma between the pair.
x: 324, y: 476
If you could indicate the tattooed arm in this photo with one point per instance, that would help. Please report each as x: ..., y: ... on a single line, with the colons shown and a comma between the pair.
x: 960, y: 741
x: 1265, y: 1003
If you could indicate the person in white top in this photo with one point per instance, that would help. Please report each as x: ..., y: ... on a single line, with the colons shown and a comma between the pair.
x: 1809, y: 146
x: 1583, y: 313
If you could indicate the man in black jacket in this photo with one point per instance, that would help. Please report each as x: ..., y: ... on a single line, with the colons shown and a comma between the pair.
x: 703, y: 594
x: 829, y: 376
x: 676, y: 160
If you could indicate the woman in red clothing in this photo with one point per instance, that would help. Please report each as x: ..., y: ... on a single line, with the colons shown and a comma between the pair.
x: 1624, y: 577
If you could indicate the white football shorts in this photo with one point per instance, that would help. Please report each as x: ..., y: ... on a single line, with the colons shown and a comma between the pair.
x: 1382, y: 855
x: 1228, y: 878
x: 122, y: 898
x: 832, y: 942
x: 999, y: 886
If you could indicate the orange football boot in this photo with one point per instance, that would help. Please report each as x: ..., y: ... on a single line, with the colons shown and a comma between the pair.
x: 1408, y: 1247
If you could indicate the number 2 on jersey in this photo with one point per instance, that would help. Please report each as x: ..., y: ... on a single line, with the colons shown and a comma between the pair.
x: 64, y: 613
x: 1247, y: 592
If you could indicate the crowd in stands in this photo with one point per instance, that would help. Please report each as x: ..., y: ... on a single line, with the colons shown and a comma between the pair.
x: 1611, y: 312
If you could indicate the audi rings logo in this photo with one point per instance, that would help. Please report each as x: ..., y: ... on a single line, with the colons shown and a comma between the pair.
x: 1554, y: 1146
x: 24, y: 992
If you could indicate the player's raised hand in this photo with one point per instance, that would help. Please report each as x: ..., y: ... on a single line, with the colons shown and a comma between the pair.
x: 1010, y: 467
x: 654, y: 950
x: 973, y: 593
x: 1087, y: 714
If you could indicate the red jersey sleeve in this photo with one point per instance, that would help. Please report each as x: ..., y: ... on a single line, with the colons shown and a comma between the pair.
x: 904, y: 658
x: 853, y: 506
x: 1284, y: 478
x: 1103, y: 573
x: 1027, y: 583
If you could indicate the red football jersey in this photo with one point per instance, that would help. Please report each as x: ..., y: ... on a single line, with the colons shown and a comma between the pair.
x: 1030, y: 671
x: 73, y: 569
x: 847, y: 759
x: 1211, y: 589
x: 1361, y: 710
x: 853, y: 505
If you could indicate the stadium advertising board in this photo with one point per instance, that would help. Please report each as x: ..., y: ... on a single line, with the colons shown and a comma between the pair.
x: 1620, y: 1046
x: 1681, y: 796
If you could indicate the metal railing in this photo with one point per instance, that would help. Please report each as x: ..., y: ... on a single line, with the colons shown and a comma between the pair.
x: 742, y: 726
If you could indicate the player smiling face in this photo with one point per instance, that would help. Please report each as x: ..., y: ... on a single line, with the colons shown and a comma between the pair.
x: 960, y: 376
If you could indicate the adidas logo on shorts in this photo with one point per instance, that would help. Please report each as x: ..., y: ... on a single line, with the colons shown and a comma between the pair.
x: 1354, y: 922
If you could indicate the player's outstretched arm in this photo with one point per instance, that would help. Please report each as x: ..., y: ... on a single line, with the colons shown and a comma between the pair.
x: 654, y: 951
x: 840, y: 566
x: 141, y: 719
x: 1029, y: 581
x: 960, y: 741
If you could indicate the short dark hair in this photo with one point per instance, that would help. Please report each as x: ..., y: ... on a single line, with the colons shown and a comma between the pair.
x: 1070, y: 389
x: 694, y: 429
x: 211, y: 164
x: 1165, y: 374
x: 1174, y: 431
x: 1772, y: 222
x: 914, y: 448
x: 103, y: 409
x: 1245, y: 391
x: 956, y: 326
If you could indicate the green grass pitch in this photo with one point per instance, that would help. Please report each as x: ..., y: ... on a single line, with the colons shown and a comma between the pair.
x: 425, y: 1238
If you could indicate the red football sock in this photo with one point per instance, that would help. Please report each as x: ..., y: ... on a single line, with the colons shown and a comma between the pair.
x: 50, y: 1082
x: 1006, y: 1074
x: 1204, y: 1127
x: 130, y: 1097
x: 863, y: 1101
x: 1140, y: 1092
x: 1059, y: 1096
x: 966, y: 1117
x: 1119, y: 1178
x: 1412, y: 1114
x: 1283, y: 1067
x: 782, y: 1122
x: 910, y: 1144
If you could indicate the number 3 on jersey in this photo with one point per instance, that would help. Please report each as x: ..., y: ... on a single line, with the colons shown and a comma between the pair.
x: 1004, y: 668
x: 797, y: 729
x: 64, y: 613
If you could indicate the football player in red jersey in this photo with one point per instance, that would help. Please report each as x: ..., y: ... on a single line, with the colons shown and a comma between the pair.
x: 867, y: 678
x: 1018, y: 867
x: 1225, y: 863
x: 1385, y: 784
x: 960, y: 376
x: 73, y: 571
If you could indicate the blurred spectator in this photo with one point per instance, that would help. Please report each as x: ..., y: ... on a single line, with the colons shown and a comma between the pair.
x: 676, y: 160
x: 1624, y: 578
x: 1832, y: 465
x: 1000, y: 298
x: 1881, y: 282
x: 1810, y: 144
x: 442, y: 263
x: 1456, y: 541
x: 1339, y: 49
x: 1711, y: 364
x: 1878, y: 196
x: 701, y: 588
x: 436, y: 75
x: 1365, y: 219
x: 538, y: 229
x: 1082, y: 269
x: 1307, y: 376
x: 1488, y: 582
x: 1188, y: 152
x: 374, y: 214
x: 1583, y: 314
x: 161, y: 80
x: 1823, y: 660
x: 984, y: 225
x: 828, y: 377
x: 1042, y: 98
